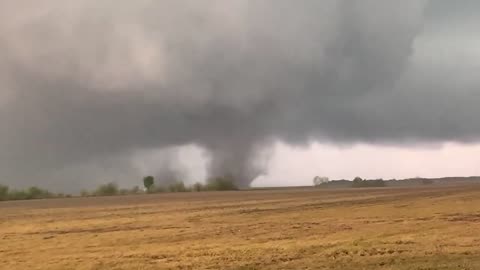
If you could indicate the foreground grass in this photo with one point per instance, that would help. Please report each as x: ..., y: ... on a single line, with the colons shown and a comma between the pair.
x: 423, y: 228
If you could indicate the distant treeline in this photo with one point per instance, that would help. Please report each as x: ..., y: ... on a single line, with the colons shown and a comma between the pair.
x: 418, y: 181
x: 356, y: 183
x: 112, y: 189
x: 359, y: 182
x: 32, y: 193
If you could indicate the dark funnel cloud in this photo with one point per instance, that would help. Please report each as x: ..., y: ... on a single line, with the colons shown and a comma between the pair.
x: 85, y: 85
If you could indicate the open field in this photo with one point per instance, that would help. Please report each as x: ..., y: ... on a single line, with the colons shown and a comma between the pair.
x: 392, y: 228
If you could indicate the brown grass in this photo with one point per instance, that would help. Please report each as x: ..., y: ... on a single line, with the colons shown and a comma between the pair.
x: 422, y: 228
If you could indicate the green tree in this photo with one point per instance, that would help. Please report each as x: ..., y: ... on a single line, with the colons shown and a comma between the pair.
x: 149, y: 182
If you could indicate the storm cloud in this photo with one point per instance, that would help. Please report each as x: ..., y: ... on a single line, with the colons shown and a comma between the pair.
x: 86, y: 85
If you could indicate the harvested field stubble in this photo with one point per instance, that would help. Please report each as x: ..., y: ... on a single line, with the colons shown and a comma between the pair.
x: 387, y: 228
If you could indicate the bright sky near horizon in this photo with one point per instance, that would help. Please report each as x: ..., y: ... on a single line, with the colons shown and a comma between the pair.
x: 297, y: 166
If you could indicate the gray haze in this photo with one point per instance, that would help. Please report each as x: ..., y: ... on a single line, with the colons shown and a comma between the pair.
x: 84, y: 84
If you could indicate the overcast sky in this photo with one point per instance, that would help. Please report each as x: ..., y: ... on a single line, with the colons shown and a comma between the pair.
x: 448, y: 39
x: 273, y: 92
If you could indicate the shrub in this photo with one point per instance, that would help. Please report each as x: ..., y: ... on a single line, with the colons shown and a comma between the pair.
x: 222, y: 184
x: 135, y: 190
x: 109, y: 189
x: 84, y: 193
x: 3, y: 193
x: 178, y: 186
x: 38, y: 193
x: 159, y: 189
x: 427, y: 181
x: 15, y: 195
x: 29, y: 194
x: 198, y: 187
x: 359, y: 183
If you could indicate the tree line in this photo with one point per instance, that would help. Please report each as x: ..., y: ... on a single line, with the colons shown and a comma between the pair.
x: 112, y: 189
x: 32, y: 193
x: 357, y: 182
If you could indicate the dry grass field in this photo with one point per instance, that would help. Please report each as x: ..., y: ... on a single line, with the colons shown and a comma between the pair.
x: 401, y: 228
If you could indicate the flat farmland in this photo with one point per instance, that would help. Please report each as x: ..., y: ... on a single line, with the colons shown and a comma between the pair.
x: 387, y: 228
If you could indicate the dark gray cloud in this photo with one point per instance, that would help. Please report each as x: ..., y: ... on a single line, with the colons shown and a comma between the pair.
x: 86, y: 84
